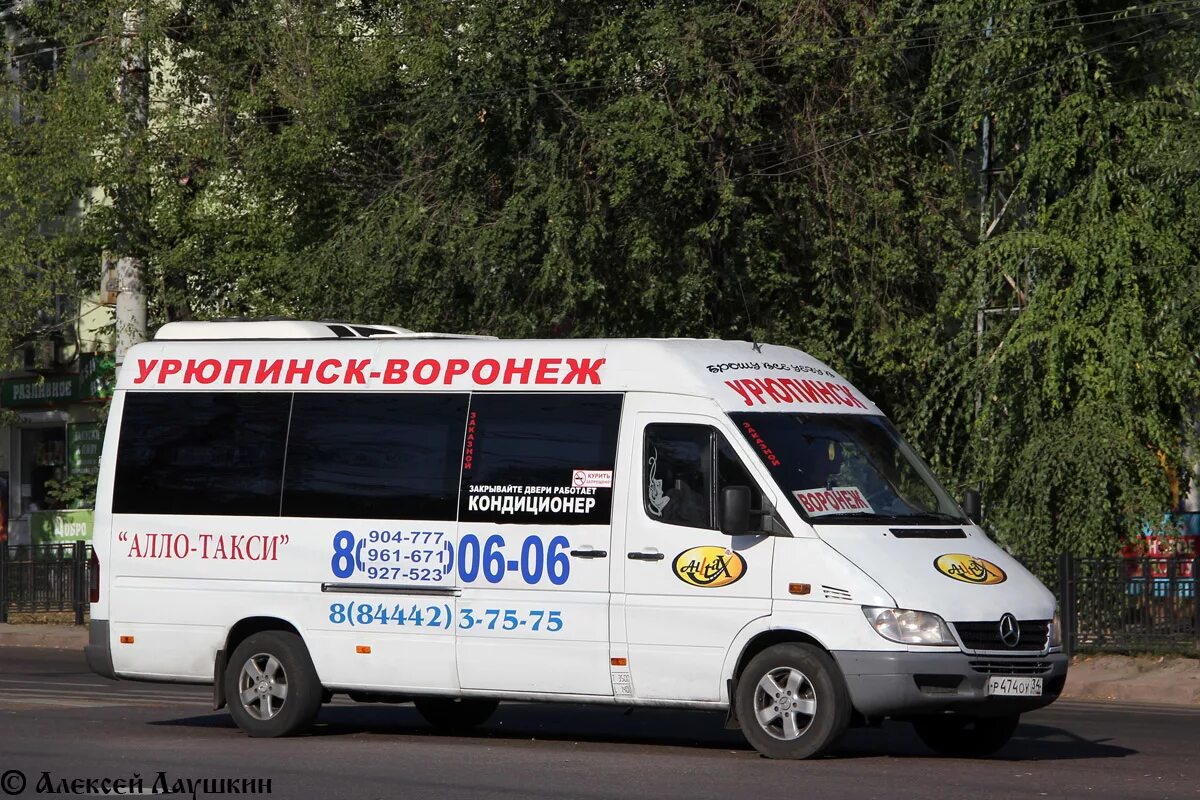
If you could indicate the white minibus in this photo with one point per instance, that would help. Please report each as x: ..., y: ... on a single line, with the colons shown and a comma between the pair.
x: 289, y: 510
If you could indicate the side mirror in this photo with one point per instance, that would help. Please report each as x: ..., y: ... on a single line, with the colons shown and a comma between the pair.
x: 973, y: 504
x: 735, y: 510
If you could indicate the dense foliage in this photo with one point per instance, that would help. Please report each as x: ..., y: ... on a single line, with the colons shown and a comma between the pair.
x: 808, y: 174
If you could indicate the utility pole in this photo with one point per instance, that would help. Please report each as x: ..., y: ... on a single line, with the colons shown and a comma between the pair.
x: 981, y: 312
x: 985, y: 208
x: 985, y: 158
x: 132, y: 195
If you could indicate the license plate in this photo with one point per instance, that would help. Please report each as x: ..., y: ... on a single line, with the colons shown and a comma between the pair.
x: 1007, y: 685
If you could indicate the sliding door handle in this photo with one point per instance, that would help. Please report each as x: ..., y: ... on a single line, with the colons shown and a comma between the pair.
x: 589, y: 554
x: 642, y: 555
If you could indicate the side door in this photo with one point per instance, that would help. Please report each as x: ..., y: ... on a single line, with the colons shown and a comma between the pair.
x: 535, y: 529
x: 689, y: 588
x: 371, y: 491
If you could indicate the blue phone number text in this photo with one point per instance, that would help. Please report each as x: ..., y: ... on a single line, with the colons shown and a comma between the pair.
x: 356, y: 614
x: 490, y: 560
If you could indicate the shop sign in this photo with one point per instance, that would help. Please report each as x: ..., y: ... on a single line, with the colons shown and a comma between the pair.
x: 83, y: 447
x: 96, y: 376
x: 93, y: 382
x: 25, y: 392
x: 61, y: 526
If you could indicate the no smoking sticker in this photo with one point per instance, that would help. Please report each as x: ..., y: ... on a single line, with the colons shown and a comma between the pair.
x: 592, y: 478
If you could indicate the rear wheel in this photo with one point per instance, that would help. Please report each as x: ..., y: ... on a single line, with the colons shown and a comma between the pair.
x: 792, y: 701
x: 271, y: 684
x: 971, y: 737
x: 455, y: 715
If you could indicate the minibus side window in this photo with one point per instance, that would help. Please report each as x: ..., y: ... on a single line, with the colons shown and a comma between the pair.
x: 201, y: 453
x: 677, y: 465
x: 686, y: 467
x: 540, y: 458
x: 374, y: 455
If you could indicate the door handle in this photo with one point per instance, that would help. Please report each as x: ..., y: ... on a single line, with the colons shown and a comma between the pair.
x: 589, y: 554
x: 641, y: 555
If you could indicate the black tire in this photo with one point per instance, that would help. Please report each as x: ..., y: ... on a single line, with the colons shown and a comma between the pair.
x: 803, y: 677
x: 261, y: 665
x: 455, y: 715
x: 966, y: 737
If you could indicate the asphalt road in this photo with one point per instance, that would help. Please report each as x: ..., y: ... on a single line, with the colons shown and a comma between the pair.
x: 58, y: 718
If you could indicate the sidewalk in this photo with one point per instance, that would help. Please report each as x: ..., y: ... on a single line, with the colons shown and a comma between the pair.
x: 1145, y: 679
x: 58, y: 637
x: 1142, y: 679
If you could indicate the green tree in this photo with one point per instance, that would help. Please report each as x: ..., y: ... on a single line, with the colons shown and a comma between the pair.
x: 807, y: 175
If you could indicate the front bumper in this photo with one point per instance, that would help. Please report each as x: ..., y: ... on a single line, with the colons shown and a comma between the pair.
x: 900, y: 684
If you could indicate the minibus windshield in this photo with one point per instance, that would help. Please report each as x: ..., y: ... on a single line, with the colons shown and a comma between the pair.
x: 847, y: 469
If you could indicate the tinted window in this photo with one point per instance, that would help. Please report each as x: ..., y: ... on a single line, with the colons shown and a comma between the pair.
x: 201, y: 453
x: 686, y: 468
x: 540, y: 458
x: 678, y: 474
x: 375, y: 456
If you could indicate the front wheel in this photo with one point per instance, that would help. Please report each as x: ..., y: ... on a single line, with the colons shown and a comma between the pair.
x: 455, y: 715
x: 271, y: 684
x: 971, y: 737
x: 792, y: 702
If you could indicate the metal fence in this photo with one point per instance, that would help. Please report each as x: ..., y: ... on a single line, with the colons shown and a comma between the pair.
x: 45, y: 577
x: 1108, y: 604
x: 1127, y: 604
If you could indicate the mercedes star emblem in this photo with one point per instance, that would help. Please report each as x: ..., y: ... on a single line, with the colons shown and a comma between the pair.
x: 1010, y: 630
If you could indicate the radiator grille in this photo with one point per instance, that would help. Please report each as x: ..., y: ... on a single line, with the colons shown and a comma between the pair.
x: 986, y: 635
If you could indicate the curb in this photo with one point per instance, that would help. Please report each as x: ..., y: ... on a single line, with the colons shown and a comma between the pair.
x: 1159, y: 680
x: 53, y: 637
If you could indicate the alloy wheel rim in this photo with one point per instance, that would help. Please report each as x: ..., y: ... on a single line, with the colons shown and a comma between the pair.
x: 785, y: 703
x: 262, y: 686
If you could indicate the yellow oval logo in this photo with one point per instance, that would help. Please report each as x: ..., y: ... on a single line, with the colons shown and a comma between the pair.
x: 969, y: 569
x: 709, y: 566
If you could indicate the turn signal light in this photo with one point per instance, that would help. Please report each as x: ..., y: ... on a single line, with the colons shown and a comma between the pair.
x: 619, y: 662
x: 126, y: 640
x: 799, y: 588
x: 364, y: 649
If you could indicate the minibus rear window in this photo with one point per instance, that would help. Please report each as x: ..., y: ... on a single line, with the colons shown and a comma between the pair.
x: 201, y: 453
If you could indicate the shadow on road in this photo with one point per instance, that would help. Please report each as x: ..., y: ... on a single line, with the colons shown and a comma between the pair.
x: 517, y: 722
x: 1032, y: 742
x: 1043, y: 743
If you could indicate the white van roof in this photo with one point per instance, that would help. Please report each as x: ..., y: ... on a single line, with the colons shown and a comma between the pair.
x: 289, y: 355
x: 260, y: 329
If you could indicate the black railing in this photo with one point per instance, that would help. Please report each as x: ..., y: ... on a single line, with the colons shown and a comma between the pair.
x: 1126, y: 604
x: 1108, y: 604
x: 43, y: 578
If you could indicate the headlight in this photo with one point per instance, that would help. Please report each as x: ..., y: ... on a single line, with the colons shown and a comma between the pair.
x: 909, y: 627
x: 1056, y: 630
